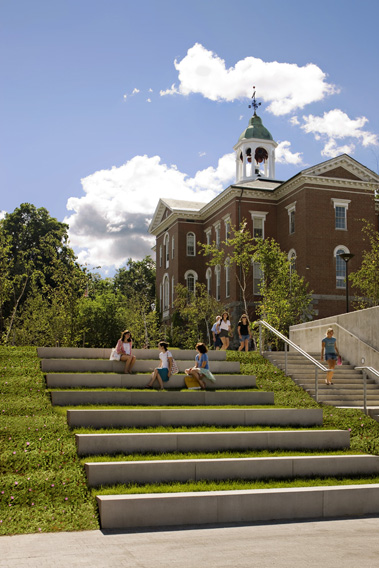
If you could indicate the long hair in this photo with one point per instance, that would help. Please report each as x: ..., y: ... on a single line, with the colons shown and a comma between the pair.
x: 247, y: 319
x: 201, y: 347
x: 123, y: 336
x: 163, y: 344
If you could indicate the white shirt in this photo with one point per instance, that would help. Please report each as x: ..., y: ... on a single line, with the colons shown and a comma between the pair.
x: 225, y: 324
x: 127, y: 347
x: 163, y: 356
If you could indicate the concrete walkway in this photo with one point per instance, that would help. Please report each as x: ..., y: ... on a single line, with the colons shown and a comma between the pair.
x: 352, y: 543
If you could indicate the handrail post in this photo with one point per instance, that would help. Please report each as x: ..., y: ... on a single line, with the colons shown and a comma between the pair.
x: 285, y: 357
x: 316, y: 384
x: 365, y: 392
x: 260, y: 339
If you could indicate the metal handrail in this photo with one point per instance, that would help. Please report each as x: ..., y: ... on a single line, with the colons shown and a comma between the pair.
x: 294, y: 346
x: 364, y: 373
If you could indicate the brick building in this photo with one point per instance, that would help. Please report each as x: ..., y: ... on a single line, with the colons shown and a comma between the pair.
x: 314, y: 216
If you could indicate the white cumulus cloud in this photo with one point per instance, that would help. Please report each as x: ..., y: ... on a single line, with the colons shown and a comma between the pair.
x: 336, y: 125
x: 108, y: 224
x: 286, y: 86
x: 284, y: 155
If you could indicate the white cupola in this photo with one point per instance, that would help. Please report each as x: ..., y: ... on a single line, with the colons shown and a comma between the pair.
x: 255, y: 152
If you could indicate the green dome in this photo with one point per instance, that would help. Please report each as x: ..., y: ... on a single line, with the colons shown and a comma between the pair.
x: 256, y: 130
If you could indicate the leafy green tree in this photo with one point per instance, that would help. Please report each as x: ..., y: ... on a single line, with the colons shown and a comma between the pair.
x: 285, y: 299
x: 194, y: 316
x: 5, y: 269
x: 138, y: 276
x: 238, y: 251
x: 366, y: 278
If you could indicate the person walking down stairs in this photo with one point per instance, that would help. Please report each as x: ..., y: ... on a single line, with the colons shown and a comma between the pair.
x: 329, y: 345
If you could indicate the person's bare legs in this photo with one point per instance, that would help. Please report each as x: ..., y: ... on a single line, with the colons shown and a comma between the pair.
x: 128, y: 362
x: 246, y: 345
x: 225, y: 343
x: 155, y: 376
x: 329, y: 374
x: 193, y: 372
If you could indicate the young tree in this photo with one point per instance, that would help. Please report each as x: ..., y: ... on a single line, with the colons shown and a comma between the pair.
x: 285, y: 299
x: 238, y: 250
x: 195, y: 314
x: 366, y: 278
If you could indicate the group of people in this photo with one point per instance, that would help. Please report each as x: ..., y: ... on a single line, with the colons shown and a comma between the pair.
x: 222, y: 331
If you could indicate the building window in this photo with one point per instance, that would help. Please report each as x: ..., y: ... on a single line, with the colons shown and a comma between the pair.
x: 257, y: 278
x: 227, y: 229
x: 218, y: 282
x: 191, y: 279
x: 166, y: 293
x: 208, y: 236
x: 340, y: 211
x: 166, y: 244
x: 258, y: 218
x: 340, y: 267
x: 227, y: 278
x: 160, y: 255
x: 218, y: 234
x: 160, y: 297
x: 191, y: 244
x: 291, y: 217
x: 292, y: 259
x: 208, y: 277
x: 172, y: 292
x: 172, y: 247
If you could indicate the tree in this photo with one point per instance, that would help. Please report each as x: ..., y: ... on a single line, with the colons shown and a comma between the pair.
x: 238, y: 250
x: 194, y: 316
x: 366, y: 278
x: 285, y: 299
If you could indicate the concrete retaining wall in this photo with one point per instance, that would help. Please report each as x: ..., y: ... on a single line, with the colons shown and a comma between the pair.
x: 163, y: 398
x: 164, y: 471
x: 221, y: 507
x: 195, y: 417
x: 94, y: 444
x: 113, y: 380
x: 104, y: 353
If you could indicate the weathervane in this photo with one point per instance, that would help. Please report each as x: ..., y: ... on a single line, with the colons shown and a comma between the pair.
x: 254, y: 104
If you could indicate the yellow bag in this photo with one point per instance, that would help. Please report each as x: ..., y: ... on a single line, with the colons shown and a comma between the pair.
x: 191, y: 383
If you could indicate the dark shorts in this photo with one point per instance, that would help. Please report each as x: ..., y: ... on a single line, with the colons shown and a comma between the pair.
x: 218, y: 342
x: 244, y: 337
x: 223, y: 333
x: 163, y: 373
x: 330, y: 356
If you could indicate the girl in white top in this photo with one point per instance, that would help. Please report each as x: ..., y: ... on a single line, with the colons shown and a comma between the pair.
x: 225, y: 331
x: 162, y: 373
x: 124, y: 349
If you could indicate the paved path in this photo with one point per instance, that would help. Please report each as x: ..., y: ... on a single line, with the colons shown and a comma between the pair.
x: 337, y: 544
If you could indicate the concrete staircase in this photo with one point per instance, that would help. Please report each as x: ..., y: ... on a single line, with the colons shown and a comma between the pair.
x: 347, y: 388
x: 74, y: 378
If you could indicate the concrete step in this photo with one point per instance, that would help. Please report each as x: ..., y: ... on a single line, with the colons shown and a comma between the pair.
x: 156, y: 442
x: 121, y: 418
x: 341, y: 391
x: 289, y: 467
x: 113, y: 380
x: 354, y: 383
x: 104, y: 353
x: 141, y: 366
x: 249, y: 506
x: 162, y: 398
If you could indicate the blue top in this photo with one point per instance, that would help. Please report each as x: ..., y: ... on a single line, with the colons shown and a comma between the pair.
x: 215, y: 326
x: 329, y: 343
x: 200, y: 360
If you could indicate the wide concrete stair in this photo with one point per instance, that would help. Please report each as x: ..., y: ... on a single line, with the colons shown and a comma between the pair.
x: 249, y: 423
x: 347, y: 387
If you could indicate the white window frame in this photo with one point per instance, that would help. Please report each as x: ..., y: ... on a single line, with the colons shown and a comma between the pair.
x: 190, y: 235
x: 172, y: 291
x: 217, y: 227
x: 172, y: 247
x: 227, y: 278
x: 261, y: 215
x: 291, y: 209
x: 344, y: 204
x: 166, y: 247
x: 208, y: 277
x: 218, y: 282
x: 292, y: 259
x: 191, y: 273
x: 208, y: 236
x: 340, y: 278
x: 166, y: 292
x: 160, y: 255
x: 227, y: 223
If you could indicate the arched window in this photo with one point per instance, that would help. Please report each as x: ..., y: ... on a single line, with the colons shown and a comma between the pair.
x: 218, y: 281
x: 166, y: 292
x: 166, y: 244
x: 191, y: 279
x: 340, y: 267
x: 172, y: 291
x: 292, y: 259
x: 208, y: 277
x: 191, y: 244
x: 227, y: 278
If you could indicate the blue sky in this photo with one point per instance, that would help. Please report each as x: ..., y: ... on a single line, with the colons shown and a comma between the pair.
x: 107, y: 105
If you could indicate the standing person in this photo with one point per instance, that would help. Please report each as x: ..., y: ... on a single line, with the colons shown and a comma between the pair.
x: 225, y: 330
x: 244, y: 332
x: 162, y: 373
x: 201, y: 368
x: 217, y: 343
x: 124, y: 349
x: 329, y: 345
